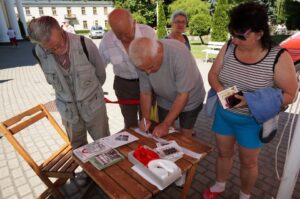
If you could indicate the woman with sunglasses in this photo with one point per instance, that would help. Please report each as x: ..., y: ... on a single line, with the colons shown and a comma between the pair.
x: 178, y: 22
x: 251, y: 63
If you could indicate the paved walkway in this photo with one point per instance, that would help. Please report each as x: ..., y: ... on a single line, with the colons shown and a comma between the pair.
x: 22, y: 85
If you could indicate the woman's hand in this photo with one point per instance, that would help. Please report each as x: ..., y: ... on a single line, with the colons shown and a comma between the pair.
x: 243, y: 102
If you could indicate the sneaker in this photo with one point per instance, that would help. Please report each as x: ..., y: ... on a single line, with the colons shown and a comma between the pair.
x: 207, y: 194
x: 82, y: 179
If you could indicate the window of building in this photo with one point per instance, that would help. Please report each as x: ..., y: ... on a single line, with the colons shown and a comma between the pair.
x: 27, y: 10
x: 96, y: 23
x: 94, y: 10
x: 54, y: 11
x: 105, y: 10
x: 41, y: 10
x: 69, y: 11
x: 83, y: 10
x: 85, y: 26
x: 106, y: 24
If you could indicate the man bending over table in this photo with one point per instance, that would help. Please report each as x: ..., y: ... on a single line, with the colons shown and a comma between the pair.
x: 167, y: 67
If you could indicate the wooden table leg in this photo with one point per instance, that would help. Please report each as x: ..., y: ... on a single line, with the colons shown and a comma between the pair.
x: 188, y: 181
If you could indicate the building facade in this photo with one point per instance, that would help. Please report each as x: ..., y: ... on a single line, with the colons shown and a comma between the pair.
x: 82, y: 14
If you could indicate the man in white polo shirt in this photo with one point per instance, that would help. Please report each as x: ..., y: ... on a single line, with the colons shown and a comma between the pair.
x: 114, y: 49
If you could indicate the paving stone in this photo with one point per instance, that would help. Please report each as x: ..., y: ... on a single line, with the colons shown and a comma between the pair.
x: 20, y: 181
x: 24, y: 190
x: 16, y: 173
x: 12, y: 197
x: 8, y: 191
x: 5, y: 182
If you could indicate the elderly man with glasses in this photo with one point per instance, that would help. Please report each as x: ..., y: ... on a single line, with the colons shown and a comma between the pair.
x: 76, y: 76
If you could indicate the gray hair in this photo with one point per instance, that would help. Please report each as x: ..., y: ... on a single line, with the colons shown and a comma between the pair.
x: 141, y: 48
x: 40, y: 29
x: 178, y: 13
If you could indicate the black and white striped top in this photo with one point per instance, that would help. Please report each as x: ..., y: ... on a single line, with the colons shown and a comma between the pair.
x: 248, y: 77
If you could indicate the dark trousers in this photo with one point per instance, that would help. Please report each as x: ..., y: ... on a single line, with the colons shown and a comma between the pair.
x: 128, y: 90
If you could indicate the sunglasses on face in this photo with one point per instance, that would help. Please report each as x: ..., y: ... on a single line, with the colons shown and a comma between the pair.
x: 242, y: 37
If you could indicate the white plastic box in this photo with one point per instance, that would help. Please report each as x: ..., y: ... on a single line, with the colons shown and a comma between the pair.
x: 163, y: 183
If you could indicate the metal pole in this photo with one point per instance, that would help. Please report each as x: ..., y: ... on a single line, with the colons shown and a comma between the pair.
x: 291, y: 167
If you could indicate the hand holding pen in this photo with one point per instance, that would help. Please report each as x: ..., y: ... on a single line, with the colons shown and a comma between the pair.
x: 145, y: 125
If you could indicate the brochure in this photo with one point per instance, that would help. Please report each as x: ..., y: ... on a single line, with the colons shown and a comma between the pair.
x: 107, y: 158
x: 226, y: 93
x: 170, y: 151
x: 119, y: 139
x: 84, y: 153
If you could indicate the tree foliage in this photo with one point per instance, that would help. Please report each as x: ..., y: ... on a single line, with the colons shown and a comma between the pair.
x: 292, y: 14
x: 191, y: 7
x: 199, y: 25
x: 220, y: 22
x: 142, y: 10
x: 161, y: 21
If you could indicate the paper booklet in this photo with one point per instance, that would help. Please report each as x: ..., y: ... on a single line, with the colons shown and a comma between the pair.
x: 119, y: 139
x: 106, y: 159
x: 226, y: 93
x: 84, y: 153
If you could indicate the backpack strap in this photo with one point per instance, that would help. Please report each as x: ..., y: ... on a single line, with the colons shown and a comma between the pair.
x: 84, y: 46
x: 35, y: 55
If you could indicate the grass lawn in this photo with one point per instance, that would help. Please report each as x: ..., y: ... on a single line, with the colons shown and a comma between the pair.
x: 197, y: 48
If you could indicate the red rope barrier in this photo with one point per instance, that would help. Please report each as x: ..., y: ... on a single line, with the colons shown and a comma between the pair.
x: 129, y: 102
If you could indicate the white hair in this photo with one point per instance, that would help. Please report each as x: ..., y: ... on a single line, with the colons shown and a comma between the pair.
x: 141, y: 48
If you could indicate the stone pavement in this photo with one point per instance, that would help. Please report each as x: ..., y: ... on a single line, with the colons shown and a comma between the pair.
x: 22, y: 85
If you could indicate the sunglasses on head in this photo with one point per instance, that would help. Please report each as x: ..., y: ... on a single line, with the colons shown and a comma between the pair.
x: 240, y: 36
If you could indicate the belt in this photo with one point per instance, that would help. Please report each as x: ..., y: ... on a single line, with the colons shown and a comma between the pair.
x: 129, y: 80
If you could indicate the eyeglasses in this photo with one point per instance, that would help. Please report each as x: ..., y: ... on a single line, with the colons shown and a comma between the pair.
x: 180, y: 22
x: 242, y: 37
x: 58, y: 44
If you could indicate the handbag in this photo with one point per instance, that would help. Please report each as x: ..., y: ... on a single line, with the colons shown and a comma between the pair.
x: 211, y: 103
x: 154, y: 113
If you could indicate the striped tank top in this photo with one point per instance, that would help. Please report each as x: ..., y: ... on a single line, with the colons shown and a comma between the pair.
x: 248, y: 77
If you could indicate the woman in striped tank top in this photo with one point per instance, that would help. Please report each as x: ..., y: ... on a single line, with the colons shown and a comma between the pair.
x: 249, y: 62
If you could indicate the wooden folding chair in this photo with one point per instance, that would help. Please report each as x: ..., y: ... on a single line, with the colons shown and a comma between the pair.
x: 60, y: 165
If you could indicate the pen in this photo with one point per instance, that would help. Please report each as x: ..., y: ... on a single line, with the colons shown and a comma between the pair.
x: 145, y: 124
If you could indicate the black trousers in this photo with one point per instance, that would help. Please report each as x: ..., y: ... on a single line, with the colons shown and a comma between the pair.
x: 128, y: 90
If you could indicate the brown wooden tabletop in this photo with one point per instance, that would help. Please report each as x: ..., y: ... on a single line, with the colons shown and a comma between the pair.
x: 120, y: 181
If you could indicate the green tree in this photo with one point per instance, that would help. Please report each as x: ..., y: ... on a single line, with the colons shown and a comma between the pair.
x: 139, y: 18
x: 139, y: 9
x: 161, y: 21
x: 293, y: 15
x: 220, y: 22
x: 280, y: 14
x: 199, y: 25
x: 191, y: 7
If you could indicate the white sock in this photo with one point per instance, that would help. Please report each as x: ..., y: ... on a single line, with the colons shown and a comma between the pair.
x: 218, y: 187
x: 244, y: 196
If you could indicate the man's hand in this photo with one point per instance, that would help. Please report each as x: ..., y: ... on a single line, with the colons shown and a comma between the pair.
x: 144, y: 124
x: 161, y: 130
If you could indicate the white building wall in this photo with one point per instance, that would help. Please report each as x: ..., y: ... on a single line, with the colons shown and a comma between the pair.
x: 89, y: 17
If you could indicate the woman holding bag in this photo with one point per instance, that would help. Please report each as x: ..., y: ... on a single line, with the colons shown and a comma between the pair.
x: 251, y: 64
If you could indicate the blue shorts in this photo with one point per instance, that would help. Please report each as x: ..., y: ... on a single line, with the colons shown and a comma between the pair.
x: 244, y: 128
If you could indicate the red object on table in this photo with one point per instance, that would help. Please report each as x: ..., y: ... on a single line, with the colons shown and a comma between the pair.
x: 145, y: 155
